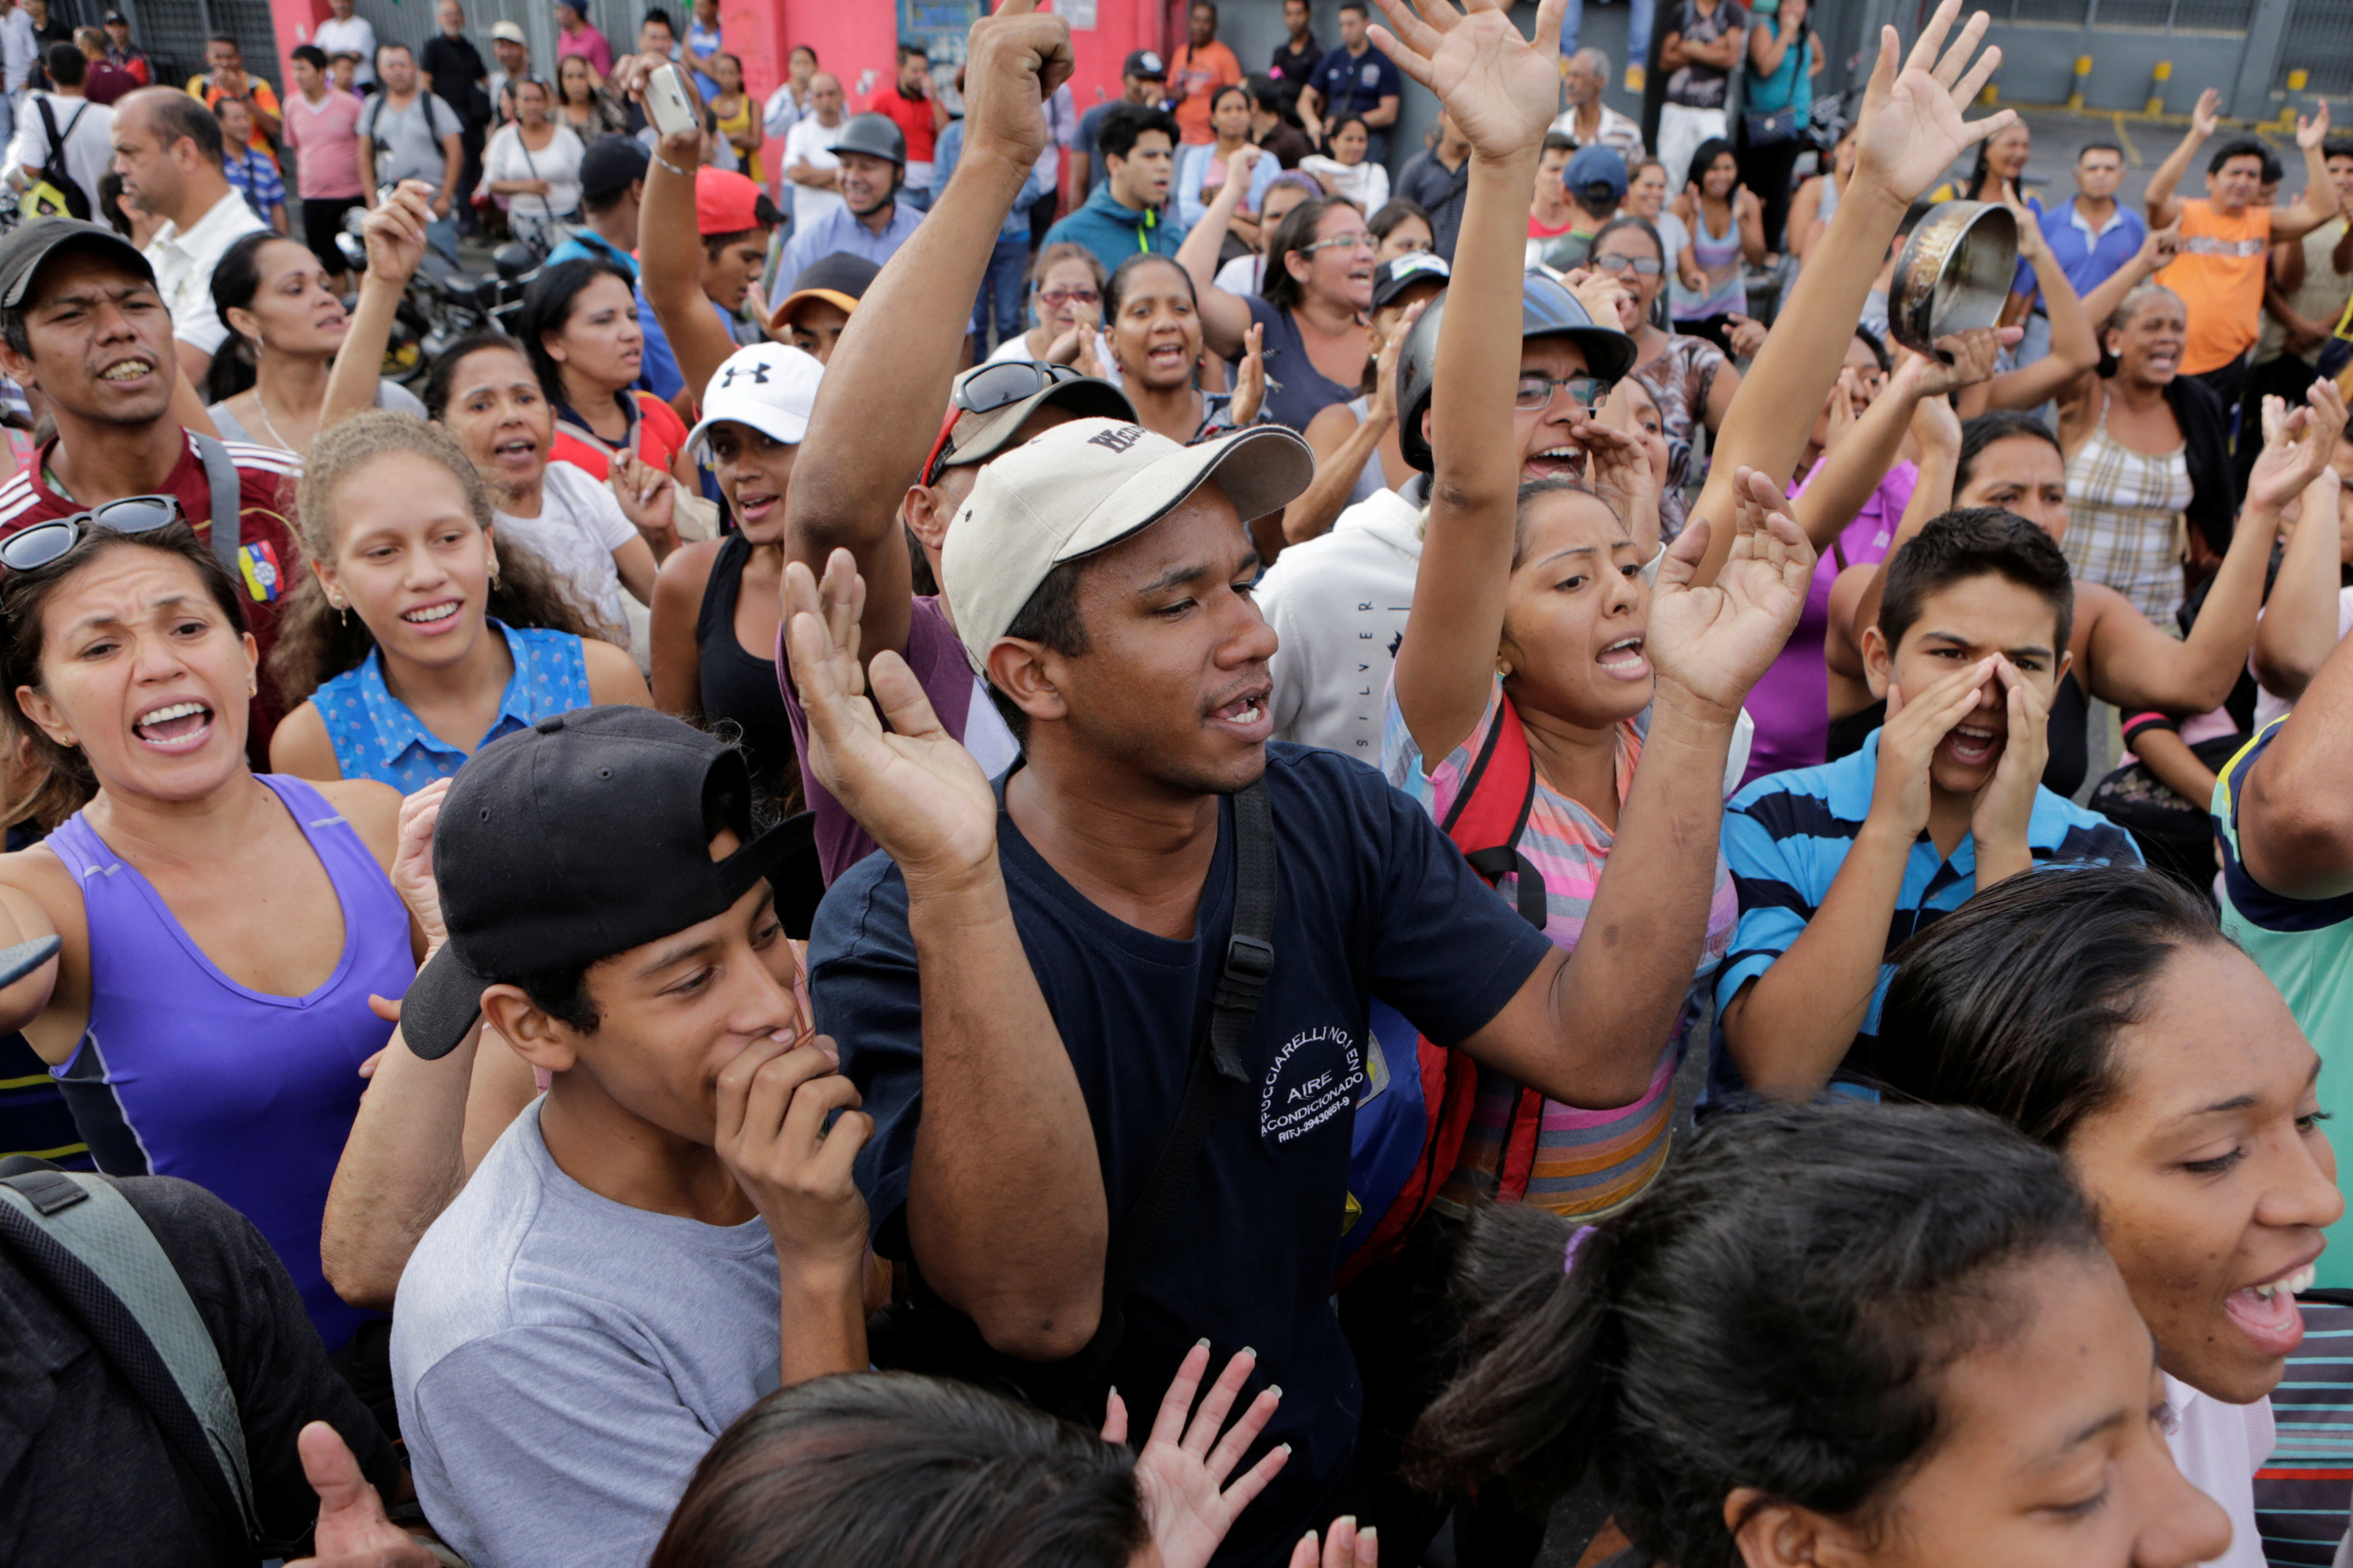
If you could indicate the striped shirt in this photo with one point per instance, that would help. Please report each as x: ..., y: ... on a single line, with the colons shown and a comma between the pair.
x: 1587, y: 1162
x: 1786, y: 835
x: 2305, y: 945
x: 256, y: 179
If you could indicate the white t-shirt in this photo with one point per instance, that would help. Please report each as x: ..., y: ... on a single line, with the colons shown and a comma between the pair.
x: 356, y: 36
x: 1339, y: 603
x: 812, y: 144
x: 1018, y: 347
x: 558, y: 162
x: 2219, y: 1447
x: 1243, y: 275
x: 89, y: 132
x: 1365, y: 184
x: 578, y: 528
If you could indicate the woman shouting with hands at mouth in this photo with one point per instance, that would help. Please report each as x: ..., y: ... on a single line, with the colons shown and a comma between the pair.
x: 1539, y: 658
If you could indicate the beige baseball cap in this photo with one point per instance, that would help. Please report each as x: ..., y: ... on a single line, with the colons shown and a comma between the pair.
x: 1082, y: 487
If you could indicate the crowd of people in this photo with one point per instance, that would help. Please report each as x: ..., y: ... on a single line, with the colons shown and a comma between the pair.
x: 995, y: 755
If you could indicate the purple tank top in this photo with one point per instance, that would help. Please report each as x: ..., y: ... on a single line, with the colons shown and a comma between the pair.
x: 184, y: 1072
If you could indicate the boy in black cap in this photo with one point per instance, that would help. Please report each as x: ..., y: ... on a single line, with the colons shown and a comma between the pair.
x: 612, y: 183
x: 671, y: 1230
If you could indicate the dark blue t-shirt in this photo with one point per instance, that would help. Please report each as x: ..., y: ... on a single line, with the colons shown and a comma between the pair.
x: 1352, y: 84
x: 1373, y: 900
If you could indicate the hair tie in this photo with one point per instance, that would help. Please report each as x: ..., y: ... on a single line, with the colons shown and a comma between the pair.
x: 1575, y: 1240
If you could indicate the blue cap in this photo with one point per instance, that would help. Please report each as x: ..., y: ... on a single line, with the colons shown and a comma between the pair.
x: 1596, y: 172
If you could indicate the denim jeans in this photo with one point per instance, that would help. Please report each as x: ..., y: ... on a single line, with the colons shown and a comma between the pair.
x: 1638, y: 32
x: 1007, y: 287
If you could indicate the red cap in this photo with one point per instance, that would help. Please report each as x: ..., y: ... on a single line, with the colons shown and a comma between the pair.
x: 727, y: 203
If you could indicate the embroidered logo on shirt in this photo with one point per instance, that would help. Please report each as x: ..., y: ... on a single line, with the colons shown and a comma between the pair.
x: 257, y: 565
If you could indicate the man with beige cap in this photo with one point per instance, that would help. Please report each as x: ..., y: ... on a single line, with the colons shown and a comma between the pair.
x: 1157, y: 918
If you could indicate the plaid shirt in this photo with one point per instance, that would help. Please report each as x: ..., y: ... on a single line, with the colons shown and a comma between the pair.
x: 256, y: 179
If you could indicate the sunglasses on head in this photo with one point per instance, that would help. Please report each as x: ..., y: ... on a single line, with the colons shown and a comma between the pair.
x: 46, y: 542
x: 987, y: 390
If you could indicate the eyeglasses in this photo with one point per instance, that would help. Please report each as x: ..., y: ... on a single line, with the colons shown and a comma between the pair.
x: 1536, y: 391
x: 1360, y: 240
x: 1057, y: 297
x: 1642, y: 265
x: 45, y: 542
x: 986, y: 390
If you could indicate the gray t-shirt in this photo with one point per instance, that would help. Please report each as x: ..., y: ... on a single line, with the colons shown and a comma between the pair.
x: 563, y: 1361
x: 408, y: 141
x: 389, y: 395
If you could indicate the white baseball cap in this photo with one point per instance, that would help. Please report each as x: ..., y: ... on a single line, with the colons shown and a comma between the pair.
x: 769, y: 386
x: 1083, y: 486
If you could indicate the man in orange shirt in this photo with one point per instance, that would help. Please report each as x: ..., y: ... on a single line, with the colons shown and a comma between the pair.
x: 2226, y: 238
x: 1199, y: 69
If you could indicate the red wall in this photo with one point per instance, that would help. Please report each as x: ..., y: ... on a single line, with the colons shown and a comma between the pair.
x: 292, y: 21
x: 852, y: 36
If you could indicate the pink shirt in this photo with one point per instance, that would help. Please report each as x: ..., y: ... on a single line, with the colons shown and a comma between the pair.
x: 590, y: 45
x: 327, y: 135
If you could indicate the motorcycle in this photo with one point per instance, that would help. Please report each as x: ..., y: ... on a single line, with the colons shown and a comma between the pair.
x: 443, y: 302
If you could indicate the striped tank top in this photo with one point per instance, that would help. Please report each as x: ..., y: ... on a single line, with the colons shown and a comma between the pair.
x: 184, y: 1072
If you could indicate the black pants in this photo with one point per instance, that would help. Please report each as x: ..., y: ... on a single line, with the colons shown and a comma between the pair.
x: 1766, y: 172
x: 1042, y: 218
x: 321, y: 221
x: 2285, y: 377
x: 2227, y: 381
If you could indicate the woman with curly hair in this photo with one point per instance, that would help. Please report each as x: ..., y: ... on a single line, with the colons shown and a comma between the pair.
x: 415, y: 638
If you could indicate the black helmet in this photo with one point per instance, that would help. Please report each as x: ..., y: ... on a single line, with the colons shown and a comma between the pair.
x: 1546, y: 310
x: 876, y: 135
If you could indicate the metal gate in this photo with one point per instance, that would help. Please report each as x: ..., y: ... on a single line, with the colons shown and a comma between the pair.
x: 173, y: 32
x: 2318, y: 41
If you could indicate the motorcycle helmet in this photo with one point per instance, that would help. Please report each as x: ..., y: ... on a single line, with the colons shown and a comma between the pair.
x: 1547, y: 309
x: 875, y: 135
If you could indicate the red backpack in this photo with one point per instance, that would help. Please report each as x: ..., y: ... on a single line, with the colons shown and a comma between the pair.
x: 1409, y: 1133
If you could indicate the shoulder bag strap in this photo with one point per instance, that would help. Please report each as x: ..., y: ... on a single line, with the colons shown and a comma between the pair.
x: 220, y: 477
x: 1491, y: 812
x: 97, y: 1227
x: 1217, y: 1064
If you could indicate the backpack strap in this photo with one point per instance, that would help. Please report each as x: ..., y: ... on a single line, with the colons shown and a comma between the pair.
x: 220, y: 477
x: 1491, y: 812
x: 94, y: 1225
x: 1217, y: 1065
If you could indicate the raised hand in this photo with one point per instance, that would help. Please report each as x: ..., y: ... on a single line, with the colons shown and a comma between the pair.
x: 1239, y: 164
x: 1619, y: 468
x: 1501, y: 89
x: 2312, y: 133
x: 1911, y: 127
x: 2030, y: 242
x: 2297, y: 445
x: 2004, y: 805
x: 1184, y: 1464
x: 1916, y: 727
x: 352, y: 1530
x: 913, y: 787
x: 1713, y: 643
x: 1962, y: 359
x: 1014, y: 62
x: 1250, y: 387
x: 2207, y: 117
x: 770, y: 1131
x: 412, y: 861
x: 648, y: 498
x: 1343, y: 1546
x: 393, y: 231
x: 1603, y: 297
x: 1747, y: 336
x: 1385, y: 369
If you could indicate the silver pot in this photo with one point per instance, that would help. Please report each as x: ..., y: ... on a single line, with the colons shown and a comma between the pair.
x: 1954, y: 275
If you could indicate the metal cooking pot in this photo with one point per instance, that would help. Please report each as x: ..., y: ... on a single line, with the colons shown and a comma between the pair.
x: 1954, y: 275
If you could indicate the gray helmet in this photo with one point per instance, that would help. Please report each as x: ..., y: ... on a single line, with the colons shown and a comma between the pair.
x: 876, y: 135
x: 1546, y: 310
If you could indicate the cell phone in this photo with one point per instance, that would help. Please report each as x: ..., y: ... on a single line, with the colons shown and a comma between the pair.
x: 670, y: 101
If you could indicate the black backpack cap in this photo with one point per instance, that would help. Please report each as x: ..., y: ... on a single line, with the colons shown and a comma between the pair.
x: 1547, y: 309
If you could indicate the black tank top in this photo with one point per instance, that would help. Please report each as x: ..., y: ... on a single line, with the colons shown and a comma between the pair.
x: 740, y: 687
x: 2070, y: 752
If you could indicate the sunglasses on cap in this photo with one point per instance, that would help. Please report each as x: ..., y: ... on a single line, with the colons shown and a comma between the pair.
x: 46, y: 542
x: 987, y: 390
